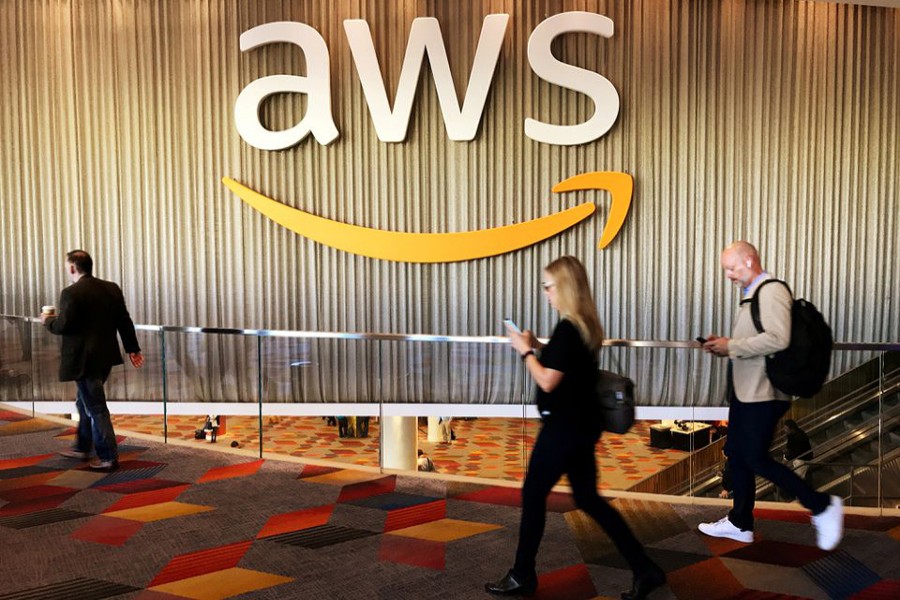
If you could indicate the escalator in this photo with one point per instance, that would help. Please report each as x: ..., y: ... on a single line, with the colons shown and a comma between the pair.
x: 854, y: 427
x: 851, y: 437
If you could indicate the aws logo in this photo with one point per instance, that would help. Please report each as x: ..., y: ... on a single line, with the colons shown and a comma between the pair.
x: 461, y: 122
x: 449, y: 247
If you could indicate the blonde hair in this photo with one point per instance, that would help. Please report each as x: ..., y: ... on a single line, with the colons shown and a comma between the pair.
x: 575, y: 300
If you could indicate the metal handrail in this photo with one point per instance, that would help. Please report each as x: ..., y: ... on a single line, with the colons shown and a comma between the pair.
x: 428, y: 337
x: 816, y: 463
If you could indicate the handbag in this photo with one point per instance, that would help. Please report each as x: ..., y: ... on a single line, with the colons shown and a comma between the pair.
x: 615, y: 397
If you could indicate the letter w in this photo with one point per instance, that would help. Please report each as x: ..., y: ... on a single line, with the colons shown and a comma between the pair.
x: 425, y: 37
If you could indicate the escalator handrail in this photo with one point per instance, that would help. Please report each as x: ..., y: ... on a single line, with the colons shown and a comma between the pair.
x: 848, y: 404
x: 852, y: 400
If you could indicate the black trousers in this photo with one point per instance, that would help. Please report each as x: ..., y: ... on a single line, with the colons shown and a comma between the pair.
x: 751, y: 426
x: 559, y: 450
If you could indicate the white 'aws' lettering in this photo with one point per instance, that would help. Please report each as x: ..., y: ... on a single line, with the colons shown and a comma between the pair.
x: 425, y: 37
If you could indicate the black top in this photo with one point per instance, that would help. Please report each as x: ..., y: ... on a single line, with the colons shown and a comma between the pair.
x: 573, y: 400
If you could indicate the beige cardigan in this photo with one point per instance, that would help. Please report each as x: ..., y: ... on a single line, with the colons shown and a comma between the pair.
x: 748, y: 349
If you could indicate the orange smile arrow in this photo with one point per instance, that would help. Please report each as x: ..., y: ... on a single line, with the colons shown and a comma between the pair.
x: 447, y: 247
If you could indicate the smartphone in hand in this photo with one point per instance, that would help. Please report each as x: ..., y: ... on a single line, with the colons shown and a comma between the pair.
x: 702, y: 340
x: 511, y: 325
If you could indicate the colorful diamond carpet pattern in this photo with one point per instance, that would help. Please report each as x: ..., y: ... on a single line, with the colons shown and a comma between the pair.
x: 176, y: 522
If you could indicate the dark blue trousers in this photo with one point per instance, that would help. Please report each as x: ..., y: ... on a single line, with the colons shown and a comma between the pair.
x: 94, y: 423
x: 751, y: 427
x: 559, y: 450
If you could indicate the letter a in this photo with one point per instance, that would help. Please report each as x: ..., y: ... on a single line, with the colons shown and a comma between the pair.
x: 318, y: 119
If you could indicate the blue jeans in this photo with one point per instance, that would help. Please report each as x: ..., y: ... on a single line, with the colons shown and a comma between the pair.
x: 94, y: 424
x: 751, y: 426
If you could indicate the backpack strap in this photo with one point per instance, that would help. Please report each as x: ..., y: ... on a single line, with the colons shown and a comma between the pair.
x: 754, y: 302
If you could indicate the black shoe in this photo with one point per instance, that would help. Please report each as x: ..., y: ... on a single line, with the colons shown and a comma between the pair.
x: 645, y: 583
x: 513, y: 585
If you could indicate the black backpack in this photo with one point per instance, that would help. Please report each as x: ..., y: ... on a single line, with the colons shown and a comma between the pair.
x: 802, y: 367
x: 615, y: 398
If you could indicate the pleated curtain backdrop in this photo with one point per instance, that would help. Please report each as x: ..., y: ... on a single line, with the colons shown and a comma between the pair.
x: 771, y: 121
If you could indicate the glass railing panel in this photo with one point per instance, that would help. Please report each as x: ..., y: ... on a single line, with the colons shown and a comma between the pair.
x: 46, y: 386
x: 708, y: 403
x: 32, y: 357
x: 16, y: 361
x: 855, y: 483
x: 479, y: 386
x: 491, y: 399
x: 671, y: 368
x: 842, y: 420
x: 211, y: 368
x: 49, y: 395
x: 852, y: 370
x: 317, y: 401
x: 128, y: 384
x: 843, y: 425
x: 287, y: 385
x: 135, y: 396
x: 212, y: 374
x: 889, y: 421
x: 677, y: 414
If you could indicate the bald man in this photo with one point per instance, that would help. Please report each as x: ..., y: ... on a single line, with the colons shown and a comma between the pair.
x: 756, y: 405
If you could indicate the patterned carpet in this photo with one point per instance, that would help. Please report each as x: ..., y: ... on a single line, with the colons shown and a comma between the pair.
x: 493, y: 448
x: 181, y: 522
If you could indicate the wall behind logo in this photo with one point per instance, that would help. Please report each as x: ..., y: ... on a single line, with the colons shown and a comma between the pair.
x: 775, y: 122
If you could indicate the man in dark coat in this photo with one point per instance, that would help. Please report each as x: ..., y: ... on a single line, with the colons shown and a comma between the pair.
x: 90, y: 313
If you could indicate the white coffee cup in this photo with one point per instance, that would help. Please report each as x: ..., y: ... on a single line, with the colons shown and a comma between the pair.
x: 48, y: 309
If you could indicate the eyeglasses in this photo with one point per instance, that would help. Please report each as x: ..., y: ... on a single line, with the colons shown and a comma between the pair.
x: 548, y: 285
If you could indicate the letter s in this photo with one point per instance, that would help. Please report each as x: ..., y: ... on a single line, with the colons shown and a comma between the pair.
x: 317, y: 84
x: 595, y: 86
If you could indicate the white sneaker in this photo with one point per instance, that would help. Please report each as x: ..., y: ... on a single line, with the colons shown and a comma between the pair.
x: 830, y: 525
x: 726, y: 529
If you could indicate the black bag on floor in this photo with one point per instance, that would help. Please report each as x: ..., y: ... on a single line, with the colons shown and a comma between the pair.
x: 615, y: 395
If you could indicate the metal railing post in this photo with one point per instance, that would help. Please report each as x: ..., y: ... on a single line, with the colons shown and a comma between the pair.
x: 259, y: 389
x: 878, y: 474
x: 380, y: 410
x: 33, y: 368
x: 165, y: 385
